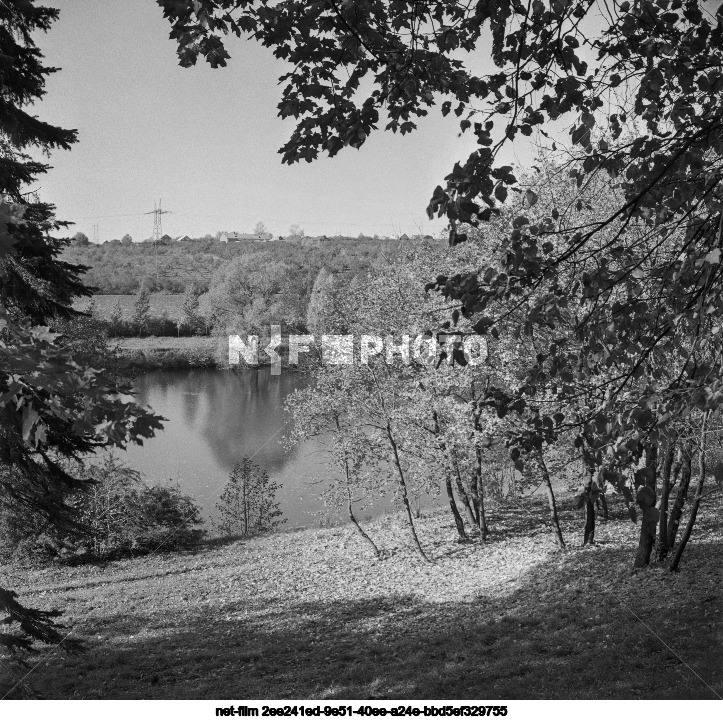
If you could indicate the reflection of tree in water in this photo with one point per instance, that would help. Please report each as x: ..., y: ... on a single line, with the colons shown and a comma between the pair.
x: 218, y: 417
x: 192, y: 389
x: 244, y: 410
x: 159, y: 388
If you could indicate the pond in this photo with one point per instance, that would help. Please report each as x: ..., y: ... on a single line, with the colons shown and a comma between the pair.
x: 215, y: 418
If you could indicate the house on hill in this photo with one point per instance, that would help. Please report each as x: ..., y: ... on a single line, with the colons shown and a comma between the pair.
x: 181, y: 239
x: 163, y: 240
x: 234, y: 237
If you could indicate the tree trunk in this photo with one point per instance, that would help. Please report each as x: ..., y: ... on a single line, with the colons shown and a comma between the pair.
x: 589, y: 534
x: 474, y: 496
x: 696, y: 499
x: 463, y: 492
x: 663, y: 503
x: 453, y: 507
x: 352, y: 517
x: 448, y: 482
x: 604, y: 505
x: 556, y: 530
x: 677, y: 511
x: 362, y: 532
x: 479, y: 496
x: 646, y: 500
x: 405, y: 497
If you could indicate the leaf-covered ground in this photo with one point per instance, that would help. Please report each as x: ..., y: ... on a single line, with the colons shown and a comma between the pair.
x: 309, y: 615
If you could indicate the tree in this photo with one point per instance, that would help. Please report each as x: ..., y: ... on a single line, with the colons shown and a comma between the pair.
x: 34, y: 283
x: 260, y: 228
x: 190, y: 308
x: 258, y: 289
x: 115, y: 321
x: 374, y: 410
x: 142, y: 309
x: 296, y: 231
x: 320, y: 306
x: 320, y: 413
x: 53, y: 408
x: 127, y: 239
x: 80, y: 239
x: 248, y: 503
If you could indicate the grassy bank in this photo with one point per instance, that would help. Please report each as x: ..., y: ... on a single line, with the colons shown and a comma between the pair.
x: 309, y: 615
x: 165, y: 353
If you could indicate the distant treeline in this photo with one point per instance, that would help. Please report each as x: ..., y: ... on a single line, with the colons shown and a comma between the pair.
x: 122, y: 268
x: 236, y: 287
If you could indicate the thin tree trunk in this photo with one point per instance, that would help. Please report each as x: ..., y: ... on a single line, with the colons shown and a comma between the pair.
x: 453, y: 507
x: 361, y: 531
x: 646, y: 500
x: 676, y: 467
x: 663, y: 503
x: 696, y: 499
x: 556, y: 530
x: 448, y: 482
x: 479, y: 497
x: 474, y: 499
x: 463, y: 492
x: 405, y: 497
x: 478, y: 484
x: 589, y: 534
x: 352, y: 517
x: 677, y: 511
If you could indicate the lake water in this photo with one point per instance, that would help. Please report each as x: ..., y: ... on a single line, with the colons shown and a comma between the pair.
x: 215, y: 418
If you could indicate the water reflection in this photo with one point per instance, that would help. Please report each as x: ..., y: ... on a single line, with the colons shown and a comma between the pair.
x: 218, y: 417
x: 215, y: 419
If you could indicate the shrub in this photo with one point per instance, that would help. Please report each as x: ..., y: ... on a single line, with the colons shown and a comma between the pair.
x: 248, y: 503
x: 120, y: 515
x: 123, y: 515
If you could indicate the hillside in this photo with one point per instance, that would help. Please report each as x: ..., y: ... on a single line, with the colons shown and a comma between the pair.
x: 308, y: 615
x: 116, y: 268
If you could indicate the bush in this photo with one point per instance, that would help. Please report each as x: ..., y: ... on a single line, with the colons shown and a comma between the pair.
x: 125, y: 516
x: 120, y: 515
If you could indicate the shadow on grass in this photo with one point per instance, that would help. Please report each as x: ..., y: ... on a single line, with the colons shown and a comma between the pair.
x: 533, y: 516
x: 560, y: 634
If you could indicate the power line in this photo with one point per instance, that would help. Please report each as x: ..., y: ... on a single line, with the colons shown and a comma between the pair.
x: 116, y: 215
x: 157, y: 229
x: 157, y: 213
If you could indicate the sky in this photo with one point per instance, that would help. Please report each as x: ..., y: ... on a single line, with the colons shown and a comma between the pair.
x: 206, y: 141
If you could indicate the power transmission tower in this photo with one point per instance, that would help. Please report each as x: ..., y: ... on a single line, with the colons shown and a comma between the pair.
x: 157, y: 229
x: 96, y: 234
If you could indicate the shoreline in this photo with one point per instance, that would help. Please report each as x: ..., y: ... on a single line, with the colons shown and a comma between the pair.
x: 171, y: 353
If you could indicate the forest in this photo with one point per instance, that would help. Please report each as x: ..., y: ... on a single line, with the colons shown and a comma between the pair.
x: 116, y: 268
x: 207, y: 287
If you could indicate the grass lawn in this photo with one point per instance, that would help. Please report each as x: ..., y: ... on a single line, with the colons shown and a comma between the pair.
x: 308, y: 615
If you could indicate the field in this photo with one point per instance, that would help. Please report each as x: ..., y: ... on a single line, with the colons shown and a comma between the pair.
x: 310, y: 615
x: 160, y: 303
